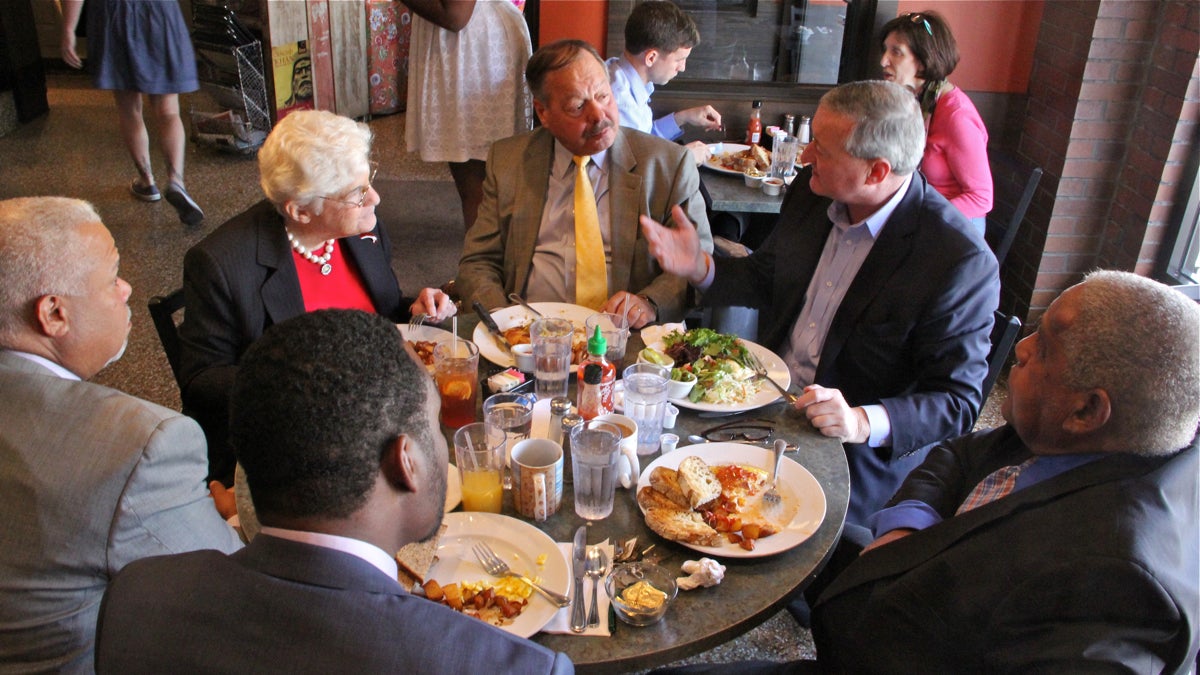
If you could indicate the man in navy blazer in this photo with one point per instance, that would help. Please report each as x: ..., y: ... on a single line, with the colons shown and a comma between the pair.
x: 873, y: 288
x: 336, y: 425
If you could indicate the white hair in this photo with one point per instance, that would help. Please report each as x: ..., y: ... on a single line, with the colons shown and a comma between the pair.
x: 312, y: 154
x: 41, y: 253
x: 887, y: 122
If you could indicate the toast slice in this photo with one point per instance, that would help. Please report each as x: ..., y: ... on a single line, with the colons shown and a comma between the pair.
x: 697, y: 482
x: 415, y: 559
x: 676, y: 524
x: 666, y: 481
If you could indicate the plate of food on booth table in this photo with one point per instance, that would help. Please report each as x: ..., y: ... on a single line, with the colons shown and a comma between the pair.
x: 726, y: 380
x: 707, y: 497
x: 515, y: 321
x: 423, y: 339
x: 736, y: 158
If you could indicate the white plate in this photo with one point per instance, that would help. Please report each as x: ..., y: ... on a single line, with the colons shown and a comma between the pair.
x: 424, y: 333
x: 776, y: 369
x: 796, y: 485
x: 724, y: 149
x: 517, y: 543
x: 518, y: 315
x: 453, y: 488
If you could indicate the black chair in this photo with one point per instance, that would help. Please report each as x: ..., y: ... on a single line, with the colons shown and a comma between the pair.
x: 1005, y: 331
x: 162, y: 311
x: 1002, y: 231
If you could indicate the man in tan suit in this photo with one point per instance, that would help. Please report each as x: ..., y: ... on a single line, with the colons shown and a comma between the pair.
x: 523, y: 240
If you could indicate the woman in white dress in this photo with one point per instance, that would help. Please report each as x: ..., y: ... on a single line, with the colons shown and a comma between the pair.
x: 466, y: 86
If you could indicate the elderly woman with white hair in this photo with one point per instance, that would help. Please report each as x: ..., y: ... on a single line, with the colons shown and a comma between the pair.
x: 313, y: 243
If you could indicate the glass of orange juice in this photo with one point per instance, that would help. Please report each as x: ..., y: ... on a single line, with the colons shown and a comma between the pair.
x: 456, y: 369
x: 479, y: 455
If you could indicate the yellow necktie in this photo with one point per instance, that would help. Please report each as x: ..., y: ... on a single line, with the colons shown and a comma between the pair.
x: 591, y: 275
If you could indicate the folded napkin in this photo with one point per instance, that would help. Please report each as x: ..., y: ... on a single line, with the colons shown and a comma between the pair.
x: 561, y: 621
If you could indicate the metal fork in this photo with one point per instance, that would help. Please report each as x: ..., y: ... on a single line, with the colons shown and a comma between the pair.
x: 761, y: 371
x: 417, y: 320
x: 498, y: 568
x: 771, y: 499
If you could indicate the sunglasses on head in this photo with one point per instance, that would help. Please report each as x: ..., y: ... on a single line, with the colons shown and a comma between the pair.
x: 919, y: 18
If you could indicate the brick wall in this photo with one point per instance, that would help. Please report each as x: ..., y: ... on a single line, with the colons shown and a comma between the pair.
x: 1111, y: 116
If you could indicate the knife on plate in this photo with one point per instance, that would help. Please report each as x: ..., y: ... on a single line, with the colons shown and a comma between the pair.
x: 578, y: 563
x: 486, y: 319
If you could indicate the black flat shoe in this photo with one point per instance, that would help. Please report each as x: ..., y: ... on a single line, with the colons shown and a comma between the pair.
x: 189, y: 211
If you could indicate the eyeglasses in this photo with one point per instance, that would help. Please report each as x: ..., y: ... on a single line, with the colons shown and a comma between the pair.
x: 360, y: 191
x: 918, y: 18
x: 743, y: 430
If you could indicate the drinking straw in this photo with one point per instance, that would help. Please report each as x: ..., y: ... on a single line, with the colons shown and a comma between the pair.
x: 474, y: 463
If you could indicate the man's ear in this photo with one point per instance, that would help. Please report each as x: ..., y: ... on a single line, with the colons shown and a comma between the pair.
x: 399, y: 466
x: 879, y: 170
x: 1092, y: 411
x: 649, y: 57
x: 540, y: 110
x: 52, y: 316
x: 298, y: 213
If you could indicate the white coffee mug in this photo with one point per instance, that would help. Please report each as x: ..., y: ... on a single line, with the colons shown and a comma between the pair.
x: 628, y: 445
x: 537, y: 472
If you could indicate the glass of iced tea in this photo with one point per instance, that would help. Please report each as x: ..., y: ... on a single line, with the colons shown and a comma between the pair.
x: 479, y: 456
x: 456, y: 369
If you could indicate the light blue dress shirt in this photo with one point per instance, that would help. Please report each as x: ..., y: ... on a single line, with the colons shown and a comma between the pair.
x: 633, y: 101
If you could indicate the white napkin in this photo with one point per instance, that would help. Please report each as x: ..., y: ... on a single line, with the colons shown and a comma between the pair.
x: 561, y: 621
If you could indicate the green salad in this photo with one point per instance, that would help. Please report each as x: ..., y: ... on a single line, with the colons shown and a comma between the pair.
x: 719, y: 361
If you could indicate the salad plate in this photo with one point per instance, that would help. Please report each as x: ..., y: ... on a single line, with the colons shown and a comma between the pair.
x: 766, y: 394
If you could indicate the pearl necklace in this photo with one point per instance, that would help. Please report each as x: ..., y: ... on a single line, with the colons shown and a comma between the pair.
x: 322, y: 260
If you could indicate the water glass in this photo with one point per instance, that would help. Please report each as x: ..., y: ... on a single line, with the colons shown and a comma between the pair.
x: 551, y: 340
x: 479, y: 456
x: 615, y: 329
x: 783, y: 157
x: 646, y: 401
x: 456, y: 370
x: 514, y: 414
x: 595, y: 453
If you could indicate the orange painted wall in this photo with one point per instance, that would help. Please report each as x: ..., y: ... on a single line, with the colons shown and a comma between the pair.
x: 995, y: 39
x: 579, y: 19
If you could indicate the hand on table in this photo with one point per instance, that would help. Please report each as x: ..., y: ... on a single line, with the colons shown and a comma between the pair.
x: 640, y: 311
x: 832, y: 416
x: 435, y: 303
x: 677, y: 249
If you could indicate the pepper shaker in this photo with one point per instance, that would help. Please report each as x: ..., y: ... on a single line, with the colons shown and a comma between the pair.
x: 569, y: 422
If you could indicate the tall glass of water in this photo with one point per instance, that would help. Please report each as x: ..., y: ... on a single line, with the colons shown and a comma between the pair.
x: 551, y: 340
x: 646, y: 401
x: 595, y: 452
x: 783, y: 156
x: 514, y: 414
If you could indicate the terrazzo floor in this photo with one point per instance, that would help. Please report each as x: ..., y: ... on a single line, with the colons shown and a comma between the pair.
x: 76, y: 151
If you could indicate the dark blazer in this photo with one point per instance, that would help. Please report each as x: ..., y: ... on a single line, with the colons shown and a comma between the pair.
x: 649, y: 175
x: 287, y: 607
x: 1094, y: 569
x: 239, y: 281
x: 911, y: 334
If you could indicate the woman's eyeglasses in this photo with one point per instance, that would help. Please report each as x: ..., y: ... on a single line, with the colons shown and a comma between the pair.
x: 918, y: 18
x: 362, y: 192
x: 753, y: 431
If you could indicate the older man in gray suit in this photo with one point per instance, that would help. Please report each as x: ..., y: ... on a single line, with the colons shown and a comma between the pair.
x: 526, y: 236
x: 91, y: 478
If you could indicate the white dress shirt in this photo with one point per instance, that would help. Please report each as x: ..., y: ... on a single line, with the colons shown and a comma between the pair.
x: 47, y: 364
x: 355, y: 547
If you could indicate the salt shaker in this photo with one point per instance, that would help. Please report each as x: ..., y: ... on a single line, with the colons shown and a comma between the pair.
x: 559, y: 406
x: 804, y: 133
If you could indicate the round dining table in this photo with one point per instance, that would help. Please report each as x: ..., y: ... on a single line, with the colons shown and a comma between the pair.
x: 753, y: 590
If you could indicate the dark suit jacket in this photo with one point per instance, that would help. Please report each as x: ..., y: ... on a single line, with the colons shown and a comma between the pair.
x: 911, y: 334
x: 1088, y: 571
x: 649, y: 175
x: 239, y: 281
x: 287, y: 607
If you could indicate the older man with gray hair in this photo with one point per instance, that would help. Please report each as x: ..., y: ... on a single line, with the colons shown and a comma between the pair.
x: 874, y: 289
x: 92, y: 478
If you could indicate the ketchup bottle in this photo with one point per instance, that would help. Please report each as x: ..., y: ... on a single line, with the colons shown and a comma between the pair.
x: 596, y: 379
x: 754, y: 128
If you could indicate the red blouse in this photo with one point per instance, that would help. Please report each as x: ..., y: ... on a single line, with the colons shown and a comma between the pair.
x: 342, y: 289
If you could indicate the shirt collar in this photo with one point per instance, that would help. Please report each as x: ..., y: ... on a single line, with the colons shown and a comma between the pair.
x: 564, y: 161
x: 47, y: 364
x: 640, y: 90
x: 839, y: 214
x: 355, y: 547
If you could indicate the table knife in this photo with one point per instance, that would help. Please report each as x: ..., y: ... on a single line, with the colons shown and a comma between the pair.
x: 486, y: 319
x: 578, y: 563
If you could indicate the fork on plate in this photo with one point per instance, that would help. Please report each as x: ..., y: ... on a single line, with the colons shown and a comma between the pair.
x: 496, y: 567
x: 761, y: 371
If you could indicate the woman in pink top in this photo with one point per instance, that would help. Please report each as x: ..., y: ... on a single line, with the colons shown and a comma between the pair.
x: 919, y: 52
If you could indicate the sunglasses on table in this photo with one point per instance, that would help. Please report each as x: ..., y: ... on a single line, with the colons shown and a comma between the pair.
x: 753, y: 431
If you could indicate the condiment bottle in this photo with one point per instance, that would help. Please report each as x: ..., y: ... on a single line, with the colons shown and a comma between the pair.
x: 804, y: 133
x: 754, y: 128
x: 596, y: 379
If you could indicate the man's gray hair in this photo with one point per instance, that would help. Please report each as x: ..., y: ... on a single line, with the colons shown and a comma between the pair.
x: 1139, y: 341
x: 41, y: 253
x: 888, y: 122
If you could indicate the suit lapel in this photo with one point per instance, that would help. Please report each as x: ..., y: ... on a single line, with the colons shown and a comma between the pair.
x: 528, y: 203
x: 376, y: 274
x: 623, y: 190
x: 887, y: 255
x: 281, y: 290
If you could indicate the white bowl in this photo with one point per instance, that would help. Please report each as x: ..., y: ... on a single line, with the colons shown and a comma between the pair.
x: 680, y: 389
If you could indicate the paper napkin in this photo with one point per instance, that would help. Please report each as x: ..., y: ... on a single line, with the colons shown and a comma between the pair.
x: 561, y: 621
